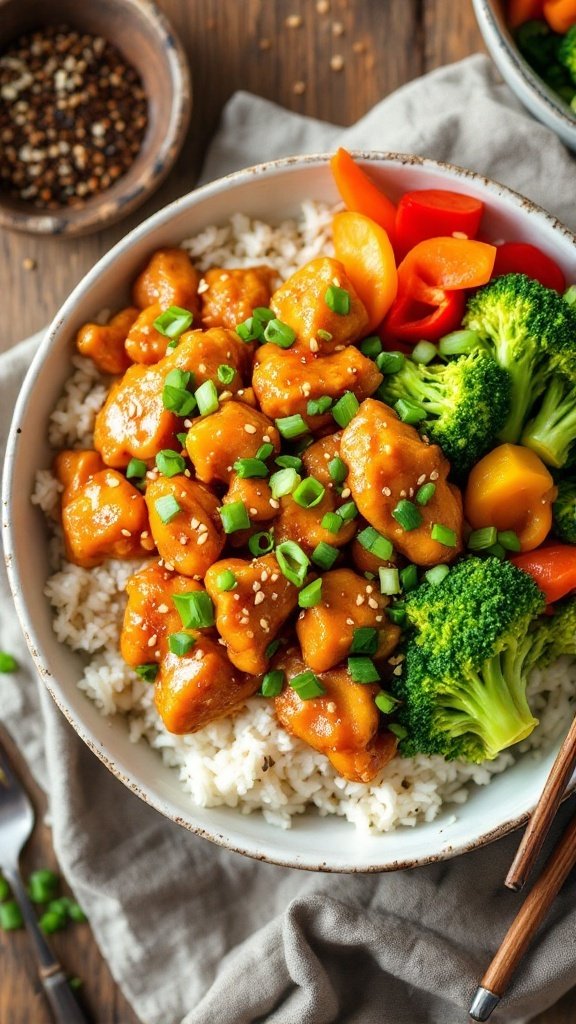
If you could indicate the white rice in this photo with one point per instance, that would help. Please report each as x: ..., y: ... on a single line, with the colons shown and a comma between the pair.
x: 248, y: 761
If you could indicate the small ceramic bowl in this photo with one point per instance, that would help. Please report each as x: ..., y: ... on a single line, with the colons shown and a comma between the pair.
x: 272, y: 192
x: 147, y: 41
x: 530, y: 89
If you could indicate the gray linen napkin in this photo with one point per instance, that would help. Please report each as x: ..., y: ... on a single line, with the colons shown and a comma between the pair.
x: 197, y: 935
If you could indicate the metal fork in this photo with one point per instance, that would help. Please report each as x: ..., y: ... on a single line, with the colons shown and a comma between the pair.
x: 16, y: 824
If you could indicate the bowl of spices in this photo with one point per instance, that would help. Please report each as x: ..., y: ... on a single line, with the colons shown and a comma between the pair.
x: 94, y: 106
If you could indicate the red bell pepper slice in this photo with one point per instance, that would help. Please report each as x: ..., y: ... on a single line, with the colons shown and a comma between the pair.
x: 428, y: 213
x: 553, y: 568
x: 523, y: 258
x: 412, y: 319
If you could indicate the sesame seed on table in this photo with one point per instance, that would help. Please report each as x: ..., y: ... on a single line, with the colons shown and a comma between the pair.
x: 329, y: 59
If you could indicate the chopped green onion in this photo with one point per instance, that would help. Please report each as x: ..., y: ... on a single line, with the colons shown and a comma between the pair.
x: 234, y: 517
x: 178, y: 400
x: 338, y: 300
x: 173, y: 322
x: 195, y: 609
x: 324, y: 555
x: 278, y: 333
x: 307, y: 685
x: 265, y: 451
x: 263, y: 313
x: 180, y: 643
x: 363, y: 670
x: 10, y: 916
x: 225, y: 373
x: 324, y: 335
x: 425, y: 493
x: 43, y: 885
x: 348, y: 511
x: 385, y: 702
x: 371, y: 347
x: 147, y: 672
x: 390, y: 362
x: 167, y: 507
x: 435, y: 575
x: 75, y: 983
x: 261, y: 543
x: 408, y: 515
x: 251, y: 329
x: 293, y: 561
x: 424, y: 352
x: 179, y: 379
x: 272, y: 648
x: 332, y: 522
x: 410, y: 412
x: 480, y: 540
x: 338, y: 470
x: 4, y: 888
x: 169, y: 462
x: 7, y: 662
x: 458, y: 343
x: 309, y: 492
x: 226, y: 580
x: 569, y: 295
x: 311, y: 595
x: 289, y: 462
x: 364, y: 640
x: 397, y: 614
x: 52, y: 921
x: 409, y: 577
x: 509, y: 540
x: 398, y: 730
x: 374, y: 542
x: 318, y: 406
x: 283, y: 482
x: 136, y: 468
x: 444, y: 535
x: 207, y: 398
x: 345, y: 408
x: 182, y: 437
x: 272, y: 683
x: 389, y: 580
x: 292, y: 426
x: 76, y: 913
x: 249, y: 468
x: 497, y: 551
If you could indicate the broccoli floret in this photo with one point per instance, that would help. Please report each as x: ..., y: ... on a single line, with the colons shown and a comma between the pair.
x: 520, y: 322
x: 564, y: 511
x: 466, y: 402
x: 556, y: 634
x: 467, y: 657
x: 537, y: 43
x: 566, y: 52
x: 552, y: 432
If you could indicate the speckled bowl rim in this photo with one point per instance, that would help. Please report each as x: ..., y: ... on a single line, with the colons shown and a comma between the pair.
x: 544, y: 103
x: 163, y: 804
x: 117, y: 202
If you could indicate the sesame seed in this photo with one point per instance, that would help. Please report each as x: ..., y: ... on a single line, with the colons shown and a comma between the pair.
x: 331, y: 707
x: 264, y: 575
x: 314, y: 346
x: 349, y: 622
x: 113, y: 481
x: 188, y: 424
x: 253, y: 511
x: 459, y: 234
x: 359, y: 600
x: 249, y: 428
x: 397, y: 671
x: 379, y: 618
x: 162, y: 608
x: 243, y: 620
x: 152, y: 640
x: 274, y: 595
x: 434, y: 474
x: 369, y: 589
x: 402, y: 493
x: 386, y: 492
x: 169, y: 566
x: 266, y: 438
x: 144, y: 534
x: 245, y: 611
x: 202, y: 538
x: 203, y: 286
x: 346, y: 492
x: 264, y: 624
x: 250, y: 634
x: 274, y: 503
x: 274, y: 577
x: 372, y: 602
x: 259, y: 597
x: 126, y: 533
x: 183, y: 539
x: 194, y: 523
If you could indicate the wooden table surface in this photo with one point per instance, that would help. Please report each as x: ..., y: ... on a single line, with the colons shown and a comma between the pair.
x: 383, y: 44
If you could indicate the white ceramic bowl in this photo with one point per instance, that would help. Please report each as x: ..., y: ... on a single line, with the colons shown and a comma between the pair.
x: 271, y: 191
x: 530, y: 89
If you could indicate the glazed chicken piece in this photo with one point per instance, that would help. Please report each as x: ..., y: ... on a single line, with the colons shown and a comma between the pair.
x: 236, y: 431
x: 343, y: 723
x: 133, y: 422
x: 301, y: 303
x: 170, y: 280
x: 388, y: 461
x: 249, y: 616
x: 151, y: 615
x: 199, y: 687
x: 348, y: 601
x: 229, y: 296
x: 304, y: 525
x: 318, y: 456
x: 103, y: 515
x: 185, y: 524
x: 144, y: 344
x: 104, y: 343
x: 285, y: 380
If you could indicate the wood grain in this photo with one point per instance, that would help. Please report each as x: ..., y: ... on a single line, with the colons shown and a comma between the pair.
x: 383, y: 43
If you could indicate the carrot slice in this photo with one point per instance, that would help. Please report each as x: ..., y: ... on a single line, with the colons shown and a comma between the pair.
x: 359, y: 192
x: 363, y: 247
x: 560, y: 14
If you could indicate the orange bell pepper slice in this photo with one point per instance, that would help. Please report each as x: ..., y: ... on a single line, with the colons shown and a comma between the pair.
x: 520, y: 11
x: 553, y: 568
x: 447, y: 263
x: 511, y: 489
x: 560, y: 14
x: 360, y: 194
x: 365, y: 250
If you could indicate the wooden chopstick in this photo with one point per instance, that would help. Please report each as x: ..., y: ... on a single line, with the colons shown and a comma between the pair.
x: 527, y: 921
x: 539, y: 824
